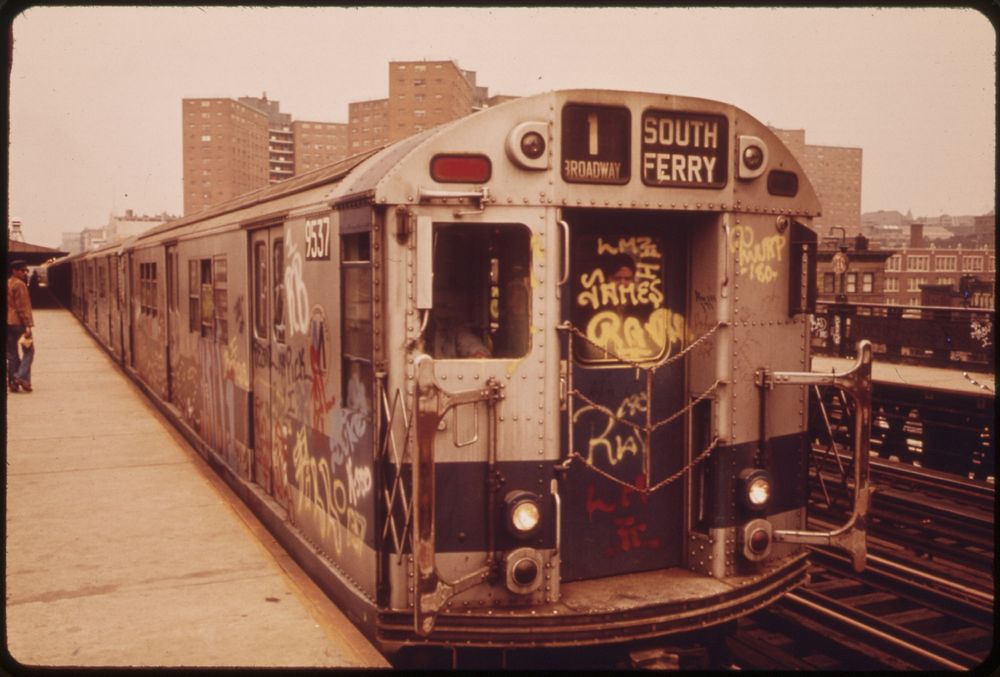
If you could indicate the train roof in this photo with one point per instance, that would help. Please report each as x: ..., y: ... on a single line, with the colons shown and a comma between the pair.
x: 396, y: 174
x: 324, y: 176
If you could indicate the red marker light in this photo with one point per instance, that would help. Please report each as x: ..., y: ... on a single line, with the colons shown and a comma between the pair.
x: 461, y: 168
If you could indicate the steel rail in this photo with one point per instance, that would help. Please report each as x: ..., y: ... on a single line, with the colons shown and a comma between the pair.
x: 882, y: 635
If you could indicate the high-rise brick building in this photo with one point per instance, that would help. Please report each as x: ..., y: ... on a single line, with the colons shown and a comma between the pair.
x: 368, y: 124
x: 225, y: 151
x: 317, y: 144
x: 424, y: 94
x: 232, y: 146
x: 835, y: 173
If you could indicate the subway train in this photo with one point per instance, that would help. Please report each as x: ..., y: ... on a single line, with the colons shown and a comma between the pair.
x: 537, y: 377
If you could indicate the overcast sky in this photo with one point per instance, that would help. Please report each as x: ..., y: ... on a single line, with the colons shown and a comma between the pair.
x: 95, y: 93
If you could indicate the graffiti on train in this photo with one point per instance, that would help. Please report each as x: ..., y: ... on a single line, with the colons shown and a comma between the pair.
x: 629, y: 531
x: 610, y: 441
x: 754, y: 259
x: 620, y: 301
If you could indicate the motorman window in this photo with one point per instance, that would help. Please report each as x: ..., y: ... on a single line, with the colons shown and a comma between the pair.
x: 482, y: 292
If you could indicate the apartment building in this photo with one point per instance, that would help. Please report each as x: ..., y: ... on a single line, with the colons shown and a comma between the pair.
x: 368, y: 124
x: 317, y: 144
x: 924, y: 275
x: 835, y: 172
x: 234, y: 146
x: 424, y: 94
x: 225, y: 151
x: 849, y: 271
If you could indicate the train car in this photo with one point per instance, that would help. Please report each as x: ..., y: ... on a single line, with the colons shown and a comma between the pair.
x: 536, y: 377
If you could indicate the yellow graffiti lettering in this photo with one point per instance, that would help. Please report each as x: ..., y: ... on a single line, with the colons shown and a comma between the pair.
x: 754, y: 259
x: 623, y: 445
x: 643, y: 247
x: 598, y: 292
x: 233, y: 368
x: 631, y: 339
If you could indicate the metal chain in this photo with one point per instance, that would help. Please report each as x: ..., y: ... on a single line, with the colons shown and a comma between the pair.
x: 659, y: 485
x: 641, y: 428
x: 648, y: 429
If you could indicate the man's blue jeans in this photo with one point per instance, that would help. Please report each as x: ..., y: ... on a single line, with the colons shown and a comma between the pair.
x: 18, y: 367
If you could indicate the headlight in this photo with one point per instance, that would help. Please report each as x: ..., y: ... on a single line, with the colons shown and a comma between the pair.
x: 756, y: 488
x: 523, y: 513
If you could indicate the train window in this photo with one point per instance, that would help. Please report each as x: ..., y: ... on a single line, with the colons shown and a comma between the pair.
x: 220, y: 297
x: 356, y: 327
x: 278, y: 260
x: 193, y: 292
x: 260, y: 287
x: 618, y: 300
x: 147, y: 289
x: 482, y: 292
x: 207, y: 301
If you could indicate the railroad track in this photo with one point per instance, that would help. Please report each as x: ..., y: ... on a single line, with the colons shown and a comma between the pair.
x: 925, y: 600
x: 942, y: 521
x: 888, y: 617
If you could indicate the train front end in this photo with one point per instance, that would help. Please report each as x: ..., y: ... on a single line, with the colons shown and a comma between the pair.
x: 591, y: 365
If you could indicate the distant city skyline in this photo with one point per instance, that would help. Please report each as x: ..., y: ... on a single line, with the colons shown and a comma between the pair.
x: 97, y: 122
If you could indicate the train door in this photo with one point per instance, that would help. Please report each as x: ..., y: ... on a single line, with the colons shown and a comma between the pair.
x: 173, y: 321
x: 624, y: 306
x: 267, y: 260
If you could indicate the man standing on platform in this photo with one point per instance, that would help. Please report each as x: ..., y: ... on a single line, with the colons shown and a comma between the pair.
x: 19, y: 323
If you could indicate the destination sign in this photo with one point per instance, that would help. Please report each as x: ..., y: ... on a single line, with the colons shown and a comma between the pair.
x: 688, y: 150
x: 596, y: 144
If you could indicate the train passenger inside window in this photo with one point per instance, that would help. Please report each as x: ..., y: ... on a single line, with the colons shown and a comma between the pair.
x: 481, y: 293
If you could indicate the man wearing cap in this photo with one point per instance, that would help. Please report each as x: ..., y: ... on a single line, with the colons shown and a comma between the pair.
x: 19, y: 323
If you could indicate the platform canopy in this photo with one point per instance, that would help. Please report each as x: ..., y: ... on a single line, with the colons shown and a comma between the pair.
x: 32, y: 254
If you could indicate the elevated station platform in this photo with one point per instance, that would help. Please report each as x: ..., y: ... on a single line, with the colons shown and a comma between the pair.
x: 123, y: 549
x: 916, y: 376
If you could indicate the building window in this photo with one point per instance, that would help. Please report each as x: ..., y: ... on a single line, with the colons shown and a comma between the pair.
x: 867, y: 282
x: 946, y: 280
x: 828, y: 283
x: 945, y: 263
x: 852, y: 283
x: 917, y: 262
x: 913, y: 284
x: 892, y: 284
x: 895, y: 263
x: 972, y: 264
x: 206, y: 137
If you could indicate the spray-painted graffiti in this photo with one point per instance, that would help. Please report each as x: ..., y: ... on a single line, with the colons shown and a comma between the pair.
x: 616, y: 441
x: 755, y: 259
x: 819, y: 327
x: 630, y: 531
x: 329, y: 501
x: 620, y: 301
x: 297, y: 298
x: 322, y: 403
x: 982, y: 330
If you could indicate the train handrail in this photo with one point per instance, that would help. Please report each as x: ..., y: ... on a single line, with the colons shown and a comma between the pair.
x: 857, y: 383
x: 433, y: 402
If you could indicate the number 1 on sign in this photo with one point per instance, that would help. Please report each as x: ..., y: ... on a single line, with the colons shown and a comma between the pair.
x: 592, y: 129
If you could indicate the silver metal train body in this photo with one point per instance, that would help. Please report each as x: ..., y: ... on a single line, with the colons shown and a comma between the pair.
x: 534, y: 377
